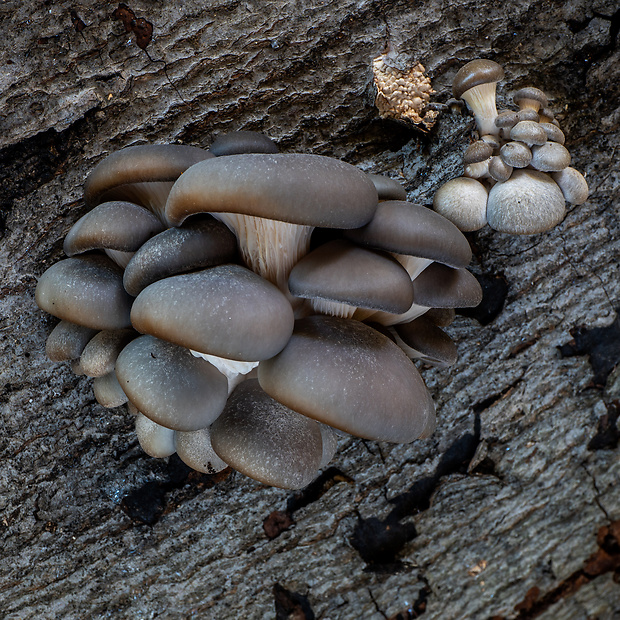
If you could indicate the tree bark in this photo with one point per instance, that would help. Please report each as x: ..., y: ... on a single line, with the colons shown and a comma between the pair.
x: 510, y: 510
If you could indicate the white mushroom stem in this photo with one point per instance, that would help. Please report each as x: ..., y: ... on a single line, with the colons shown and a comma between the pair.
x: 481, y: 101
x: 119, y: 257
x: 268, y: 247
x: 233, y: 370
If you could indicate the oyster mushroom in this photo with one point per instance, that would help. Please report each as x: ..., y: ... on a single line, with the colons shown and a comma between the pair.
x: 463, y: 201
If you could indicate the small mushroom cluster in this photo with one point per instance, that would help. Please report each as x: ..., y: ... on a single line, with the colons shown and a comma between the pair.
x: 517, y: 175
x: 249, y: 305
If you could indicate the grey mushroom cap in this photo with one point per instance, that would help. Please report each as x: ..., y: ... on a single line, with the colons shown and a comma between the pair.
x: 139, y: 164
x: 429, y: 342
x: 199, y: 244
x: 475, y: 73
x: 195, y: 450
x: 527, y: 114
x: 267, y: 441
x: 156, y: 440
x: 171, y: 386
x: 227, y: 311
x: 550, y: 157
x: 238, y: 142
x: 387, y: 188
x: 87, y: 290
x: 302, y: 189
x: 412, y: 229
x: 463, y: 201
x: 118, y: 225
x: 554, y: 133
x: 67, y: 341
x: 340, y: 271
x: 99, y: 355
x: 330, y: 444
x: 506, y: 119
x: 515, y: 154
x: 528, y: 132
x: 499, y: 169
x: 347, y: 375
x: 477, y: 152
x: 529, y: 202
x: 108, y: 391
x: 572, y: 184
x: 440, y: 286
x: 530, y: 97
x: 442, y: 317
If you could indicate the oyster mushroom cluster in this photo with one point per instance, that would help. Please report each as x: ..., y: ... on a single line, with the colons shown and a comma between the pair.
x: 250, y: 305
x: 517, y: 175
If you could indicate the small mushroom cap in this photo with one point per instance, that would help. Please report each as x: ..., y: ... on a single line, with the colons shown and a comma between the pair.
x: 301, y: 189
x: 108, y: 391
x: 67, y: 341
x: 99, y: 355
x: 343, y: 272
x: 237, y: 142
x: 171, y: 386
x: 527, y: 114
x: 572, y: 184
x: 226, y: 311
x: 195, y: 450
x: 349, y: 376
x: 554, y: 133
x: 530, y: 97
x: 515, y: 154
x: 506, y: 119
x: 156, y: 440
x: 139, y: 164
x: 87, y: 291
x: 440, y: 286
x: 474, y: 73
x: 463, y: 201
x: 427, y: 341
x: 387, y: 188
x: 442, y: 317
x: 199, y: 244
x: 528, y: 132
x: 476, y: 152
x: 550, y: 157
x: 330, y: 444
x: 529, y: 202
x: 117, y: 225
x: 491, y: 140
x: 499, y: 169
x: 267, y: 441
x: 412, y: 229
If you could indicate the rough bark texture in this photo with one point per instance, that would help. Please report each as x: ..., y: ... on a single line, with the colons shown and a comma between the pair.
x: 510, y: 510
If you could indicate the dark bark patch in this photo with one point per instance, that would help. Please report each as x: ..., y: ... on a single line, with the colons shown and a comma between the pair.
x: 607, y: 432
x: 417, y: 609
x: 494, y: 292
x: 291, y: 605
x: 140, y: 27
x: 601, y: 344
x: 77, y: 21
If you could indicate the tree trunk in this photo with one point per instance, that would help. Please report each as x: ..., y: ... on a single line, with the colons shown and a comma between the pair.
x: 510, y: 510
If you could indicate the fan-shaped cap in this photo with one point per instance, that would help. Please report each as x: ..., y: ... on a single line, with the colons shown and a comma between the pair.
x: 171, y: 386
x: 528, y: 132
x: 267, y: 441
x: 87, y: 290
x: 117, y: 225
x: 387, y: 188
x: 195, y: 450
x: 108, y: 391
x: 530, y: 97
x: 301, y: 189
x: 156, y: 440
x: 515, y: 154
x: 475, y: 73
x: 550, y: 157
x: 67, y: 341
x: 349, y: 376
x: 426, y: 341
x: 199, y: 244
x: 343, y: 272
x: 139, y: 164
x: 99, y: 355
x: 440, y: 286
x: 476, y: 152
x: 238, y: 142
x: 412, y: 229
x: 572, y: 184
x: 226, y: 311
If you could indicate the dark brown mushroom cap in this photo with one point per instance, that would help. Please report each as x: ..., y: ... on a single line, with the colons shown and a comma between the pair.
x: 439, y: 286
x: 530, y: 94
x: 171, y: 386
x: 349, y: 376
x: 442, y: 317
x: 67, y: 341
x: 301, y: 189
x: 199, y: 244
x: 476, y: 152
x: 140, y: 164
x: 412, y: 229
x: 227, y: 311
x: 267, y: 441
x: 430, y: 343
x: 506, y: 119
x: 387, y: 188
x: 474, y: 73
x: 238, y: 142
x: 121, y: 226
x: 87, y: 290
x: 343, y: 272
x: 99, y: 355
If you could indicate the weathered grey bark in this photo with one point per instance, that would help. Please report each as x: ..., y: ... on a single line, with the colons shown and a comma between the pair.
x: 509, y: 493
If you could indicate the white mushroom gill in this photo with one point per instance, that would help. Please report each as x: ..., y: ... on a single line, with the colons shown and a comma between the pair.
x: 235, y: 371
